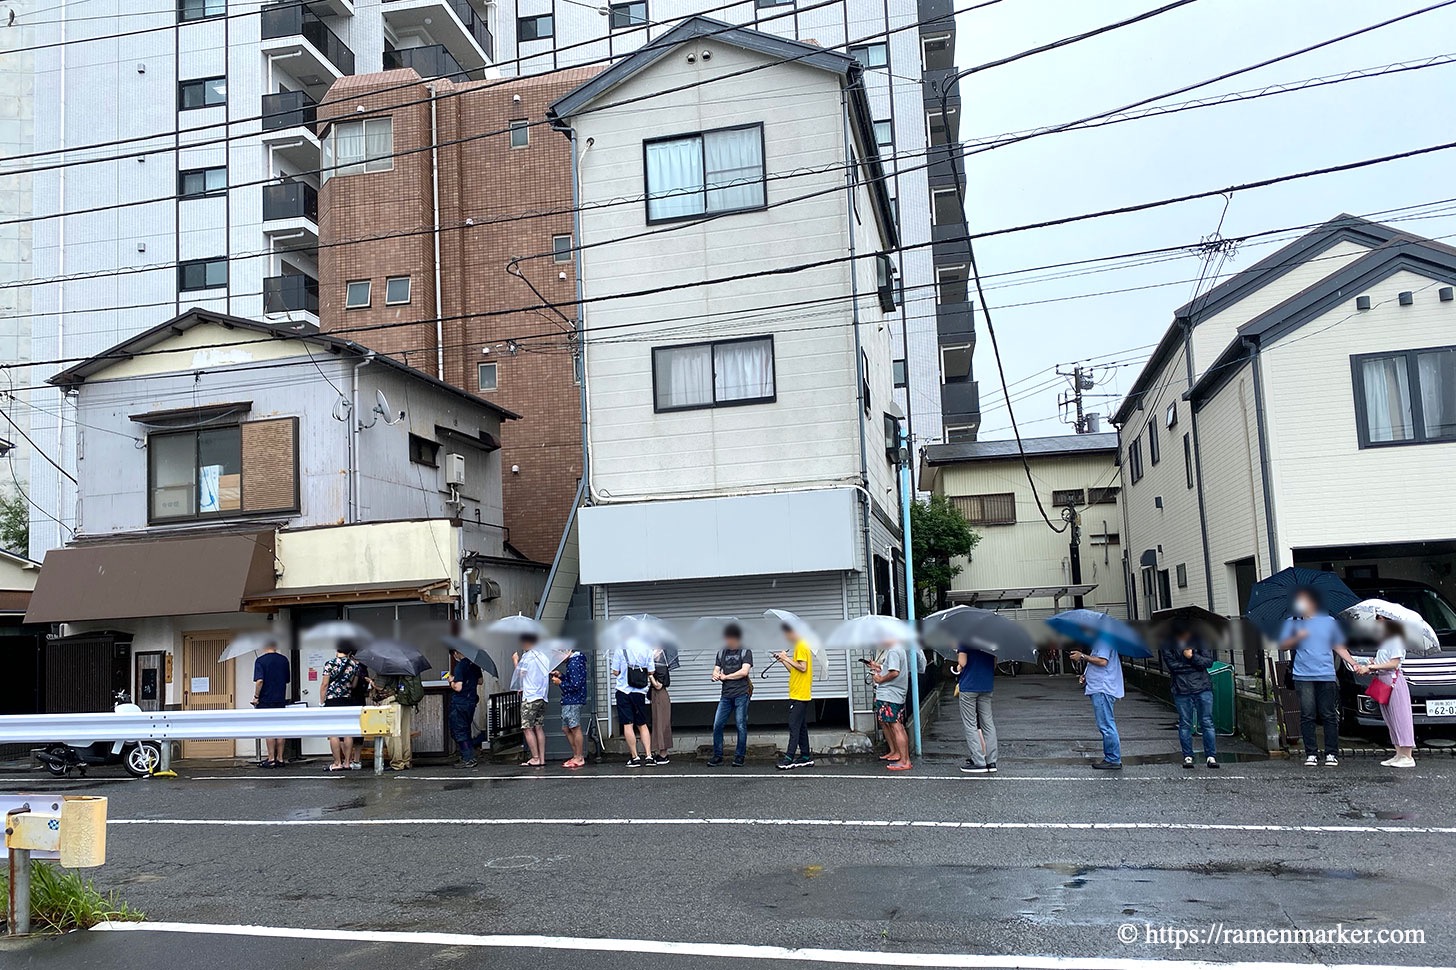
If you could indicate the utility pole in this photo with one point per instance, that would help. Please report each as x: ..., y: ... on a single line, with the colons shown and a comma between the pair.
x: 1081, y: 378
x: 1074, y: 547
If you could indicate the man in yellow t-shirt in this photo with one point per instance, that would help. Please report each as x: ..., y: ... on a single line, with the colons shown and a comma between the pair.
x: 798, y: 659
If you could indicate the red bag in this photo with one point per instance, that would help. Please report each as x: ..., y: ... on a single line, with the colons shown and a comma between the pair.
x: 1379, y: 691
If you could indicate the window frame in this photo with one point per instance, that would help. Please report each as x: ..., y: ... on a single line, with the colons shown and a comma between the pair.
x: 626, y: 5
x: 1103, y: 495
x: 557, y: 256
x: 765, y: 4
x: 1413, y: 378
x: 186, y: 264
x: 873, y: 45
x: 900, y: 373
x: 706, y: 214
x: 368, y: 294
x: 523, y: 127
x: 203, y: 83
x: 889, y: 124
x: 535, y: 35
x: 1155, y: 447
x: 1135, y: 460
x: 421, y: 448
x: 712, y: 346
x: 230, y: 514
x: 1060, y: 496
x: 1170, y: 417
x: 480, y: 379
x: 329, y: 164
x: 182, y: 17
x: 1188, y: 458
x: 206, y: 193
x: 983, y: 519
x: 408, y: 290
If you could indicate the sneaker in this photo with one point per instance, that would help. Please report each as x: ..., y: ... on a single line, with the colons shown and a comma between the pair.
x: 662, y: 759
x: 802, y: 761
x: 1107, y: 765
x: 649, y: 761
x: 1188, y: 762
x: 738, y: 762
x: 1213, y: 763
x: 1403, y: 763
x: 467, y: 764
x: 991, y: 768
x: 784, y: 764
x: 356, y: 766
x: 971, y: 768
x: 714, y: 762
x: 1311, y: 761
x: 1331, y: 761
x: 1390, y: 762
x: 634, y: 762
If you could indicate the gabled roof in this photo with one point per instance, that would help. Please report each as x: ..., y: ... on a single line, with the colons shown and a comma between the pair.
x: 1421, y: 256
x: 185, y: 321
x: 849, y: 70
x: 1066, y: 444
x: 1342, y: 228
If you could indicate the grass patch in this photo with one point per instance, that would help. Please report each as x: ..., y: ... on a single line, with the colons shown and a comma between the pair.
x: 61, y: 901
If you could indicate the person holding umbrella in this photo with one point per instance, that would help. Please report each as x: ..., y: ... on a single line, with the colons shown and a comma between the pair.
x: 572, y: 678
x: 1102, y: 679
x: 1396, y: 706
x: 1315, y: 638
x: 891, y: 675
x: 1187, y: 658
x: 463, y: 679
x: 337, y: 689
x: 798, y: 660
x: 977, y: 673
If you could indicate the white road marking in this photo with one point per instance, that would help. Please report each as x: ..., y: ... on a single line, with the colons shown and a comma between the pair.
x: 737, y: 775
x: 807, y: 822
x: 736, y: 951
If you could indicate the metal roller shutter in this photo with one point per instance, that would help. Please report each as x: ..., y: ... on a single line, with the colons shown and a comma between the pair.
x: 817, y: 597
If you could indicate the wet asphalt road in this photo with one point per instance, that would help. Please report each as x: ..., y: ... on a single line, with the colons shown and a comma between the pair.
x: 628, y: 855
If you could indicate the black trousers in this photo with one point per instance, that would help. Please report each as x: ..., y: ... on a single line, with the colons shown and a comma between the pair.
x: 1319, y: 701
x: 798, y: 730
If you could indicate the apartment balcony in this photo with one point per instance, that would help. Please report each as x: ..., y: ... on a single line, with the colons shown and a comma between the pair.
x: 454, y: 25
x: 428, y: 62
x: 960, y: 404
x: 944, y: 80
x: 947, y: 167
x: 290, y: 215
x: 936, y: 16
x: 948, y: 243
x: 288, y: 128
x: 304, y: 46
x: 955, y: 323
x: 292, y: 295
x: 332, y: 8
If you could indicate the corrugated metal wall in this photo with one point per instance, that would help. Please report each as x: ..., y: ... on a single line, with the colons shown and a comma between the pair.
x: 819, y: 598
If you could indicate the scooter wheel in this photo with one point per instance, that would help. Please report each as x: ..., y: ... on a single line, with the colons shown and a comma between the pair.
x: 143, y: 759
x: 58, y: 767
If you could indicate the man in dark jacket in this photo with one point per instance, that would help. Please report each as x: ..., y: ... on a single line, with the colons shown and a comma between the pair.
x: 1187, y: 659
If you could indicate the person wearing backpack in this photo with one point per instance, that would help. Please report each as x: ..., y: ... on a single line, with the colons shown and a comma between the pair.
x: 733, y: 668
x: 632, y: 669
x: 407, y: 692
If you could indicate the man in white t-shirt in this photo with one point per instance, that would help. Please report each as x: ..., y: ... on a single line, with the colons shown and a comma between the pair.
x: 535, y: 683
x: 632, y: 665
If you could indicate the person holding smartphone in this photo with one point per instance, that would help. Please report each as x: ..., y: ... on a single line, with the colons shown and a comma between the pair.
x: 1315, y: 639
x: 891, y: 674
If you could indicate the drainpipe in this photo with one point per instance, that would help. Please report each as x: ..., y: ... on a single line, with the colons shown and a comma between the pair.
x: 61, y: 267
x: 1266, y: 473
x: 1187, y: 325
x: 354, y: 430
x: 577, y: 159
x: 860, y: 375
x: 435, y: 200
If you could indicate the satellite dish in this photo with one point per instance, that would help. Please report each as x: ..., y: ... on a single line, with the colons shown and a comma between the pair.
x: 382, y: 408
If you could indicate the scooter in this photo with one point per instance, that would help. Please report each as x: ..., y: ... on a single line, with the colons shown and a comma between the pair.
x: 139, y: 758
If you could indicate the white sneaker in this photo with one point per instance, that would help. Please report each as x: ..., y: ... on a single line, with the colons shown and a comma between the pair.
x: 1389, y: 762
x: 1311, y: 762
x: 1403, y: 763
x: 1331, y: 761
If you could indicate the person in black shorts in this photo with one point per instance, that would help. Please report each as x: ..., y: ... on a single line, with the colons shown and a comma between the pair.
x: 632, y: 665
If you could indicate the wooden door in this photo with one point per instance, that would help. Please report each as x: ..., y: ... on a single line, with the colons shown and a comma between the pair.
x: 206, y: 686
x: 150, y: 691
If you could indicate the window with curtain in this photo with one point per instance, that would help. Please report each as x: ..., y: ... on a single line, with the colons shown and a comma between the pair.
x: 694, y: 175
x: 351, y: 147
x: 1407, y: 397
x: 722, y: 373
x: 222, y: 471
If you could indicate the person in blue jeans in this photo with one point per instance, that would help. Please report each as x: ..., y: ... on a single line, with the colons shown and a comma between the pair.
x: 1316, y: 639
x: 732, y: 668
x: 464, y: 682
x: 1103, y: 681
x: 1187, y: 658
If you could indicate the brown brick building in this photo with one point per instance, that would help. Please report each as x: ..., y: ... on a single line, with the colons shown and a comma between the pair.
x: 504, y: 194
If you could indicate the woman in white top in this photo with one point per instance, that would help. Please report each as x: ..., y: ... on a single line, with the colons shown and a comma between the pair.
x: 1396, y: 711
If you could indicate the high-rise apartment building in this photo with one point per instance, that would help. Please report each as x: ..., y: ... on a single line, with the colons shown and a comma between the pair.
x: 178, y: 164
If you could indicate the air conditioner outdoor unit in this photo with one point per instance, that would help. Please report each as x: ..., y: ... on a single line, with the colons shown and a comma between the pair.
x: 454, y: 469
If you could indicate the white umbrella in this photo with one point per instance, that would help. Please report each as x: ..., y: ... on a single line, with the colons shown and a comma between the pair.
x: 544, y: 657
x: 1419, y: 637
x: 337, y: 630
x: 246, y: 643
x: 804, y: 632
x: 871, y: 630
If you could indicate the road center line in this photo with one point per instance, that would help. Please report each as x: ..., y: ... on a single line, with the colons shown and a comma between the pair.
x: 739, y: 775
x: 737, y: 951
x: 804, y: 823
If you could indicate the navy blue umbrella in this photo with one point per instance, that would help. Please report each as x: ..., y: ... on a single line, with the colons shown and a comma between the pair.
x: 1271, y: 600
x: 948, y: 631
x: 1089, y: 626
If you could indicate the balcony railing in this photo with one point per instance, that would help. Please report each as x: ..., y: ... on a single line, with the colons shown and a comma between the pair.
x: 290, y: 200
x: 937, y: 81
x: 290, y: 18
x: 945, y: 165
x: 290, y: 293
x: 955, y: 323
x: 432, y: 60
x: 290, y: 109
x: 960, y: 403
x: 475, y: 23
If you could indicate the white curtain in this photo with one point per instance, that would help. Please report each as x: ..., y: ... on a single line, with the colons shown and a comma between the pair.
x: 734, y: 168
x: 684, y: 376
x: 379, y: 143
x: 1387, y: 399
x: 348, y: 138
x: 1437, y: 371
x: 675, y: 178
x: 743, y: 371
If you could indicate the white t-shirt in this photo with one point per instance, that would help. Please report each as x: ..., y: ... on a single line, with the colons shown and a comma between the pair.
x: 633, y: 653
x: 535, y: 678
x: 1390, y: 649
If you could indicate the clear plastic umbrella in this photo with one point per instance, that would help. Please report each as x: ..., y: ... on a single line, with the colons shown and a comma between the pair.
x: 871, y: 630
x: 803, y: 631
x: 337, y: 630
x: 246, y: 643
x: 643, y: 626
x: 1419, y: 636
x: 540, y: 660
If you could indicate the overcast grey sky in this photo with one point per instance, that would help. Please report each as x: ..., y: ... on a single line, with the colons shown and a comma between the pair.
x: 1209, y: 148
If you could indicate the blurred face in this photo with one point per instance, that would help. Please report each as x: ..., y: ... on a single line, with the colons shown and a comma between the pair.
x: 1303, y: 605
x: 733, y: 643
x: 789, y: 636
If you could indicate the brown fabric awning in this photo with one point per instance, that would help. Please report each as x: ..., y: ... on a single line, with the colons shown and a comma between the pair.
x: 152, y: 577
x: 423, y: 590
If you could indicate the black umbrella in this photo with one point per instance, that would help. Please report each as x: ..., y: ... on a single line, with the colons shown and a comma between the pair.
x: 393, y: 658
x: 473, y: 652
x: 949, y: 630
x: 1271, y: 600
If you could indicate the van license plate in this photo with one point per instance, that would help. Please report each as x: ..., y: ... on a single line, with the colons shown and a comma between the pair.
x: 1441, y: 708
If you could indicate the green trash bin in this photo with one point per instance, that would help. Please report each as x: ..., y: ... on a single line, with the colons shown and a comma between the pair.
x: 1222, y: 676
